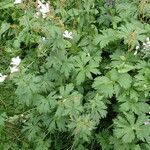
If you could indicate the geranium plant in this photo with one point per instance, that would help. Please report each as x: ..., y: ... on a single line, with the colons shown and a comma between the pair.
x: 74, y: 75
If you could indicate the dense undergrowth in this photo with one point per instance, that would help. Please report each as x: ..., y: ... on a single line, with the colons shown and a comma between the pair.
x: 75, y: 75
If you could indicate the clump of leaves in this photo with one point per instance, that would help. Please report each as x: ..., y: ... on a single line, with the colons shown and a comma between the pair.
x: 84, y: 78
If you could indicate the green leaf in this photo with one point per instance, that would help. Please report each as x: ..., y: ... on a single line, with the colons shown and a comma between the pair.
x: 127, y: 128
x: 80, y: 77
x: 136, y: 107
x: 65, y: 91
x: 4, y: 27
x: 43, y: 145
x: 6, y: 4
x: 43, y: 105
x: 106, y: 37
x: 104, y: 85
x: 97, y: 108
x: 2, y: 119
x: 125, y: 80
x: 124, y: 68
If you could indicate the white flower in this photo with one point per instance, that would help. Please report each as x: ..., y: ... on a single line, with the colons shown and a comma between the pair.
x: 147, y: 122
x: 15, y: 61
x: 37, y: 14
x: 137, y: 47
x: 2, y: 77
x: 39, y: 3
x: 43, y: 38
x: 135, y: 53
x: 17, y: 1
x: 44, y: 15
x: 14, y: 69
x: 67, y: 34
x: 147, y: 39
x: 43, y: 8
x: 148, y: 43
x: 22, y: 115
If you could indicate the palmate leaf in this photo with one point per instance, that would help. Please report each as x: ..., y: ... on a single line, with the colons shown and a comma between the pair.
x: 69, y: 106
x: 123, y: 130
x: 67, y: 66
x: 125, y: 80
x: 4, y: 27
x: 126, y: 10
x: 131, y: 33
x: 104, y: 85
x: 96, y: 107
x: 28, y: 85
x: 142, y: 82
x: 111, y: 83
x: 85, y: 65
x: 66, y: 90
x: 42, y: 145
x: 124, y: 62
x: 136, y: 107
x: 120, y: 145
x: 69, y: 103
x: 106, y: 37
x: 61, y: 123
x: 45, y: 104
x: 80, y: 77
x: 123, y: 68
x: 103, y: 139
x: 127, y: 128
x: 61, y: 63
x: 82, y: 127
x: 143, y: 133
x: 31, y: 129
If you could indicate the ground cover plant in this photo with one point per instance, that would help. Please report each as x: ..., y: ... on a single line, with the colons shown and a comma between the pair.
x: 74, y: 75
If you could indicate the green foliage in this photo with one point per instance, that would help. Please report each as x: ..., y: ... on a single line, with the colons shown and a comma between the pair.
x: 87, y: 90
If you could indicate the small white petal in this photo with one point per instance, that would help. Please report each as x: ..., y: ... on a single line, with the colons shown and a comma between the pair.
x: 137, y: 47
x: 43, y: 38
x: 17, y: 1
x: 2, y: 77
x: 67, y: 34
x: 22, y: 115
x: 44, y: 8
x: 148, y: 43
x: 24, y: 120
x: 147, y: 39
x: 135, y: 53
x: 37, y: 14
x: 147, y: 123
x: 14, y: 69
x: 44, y: 15
x: 39, y: 3
x: 144, y: 44
x: 15, y: 61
